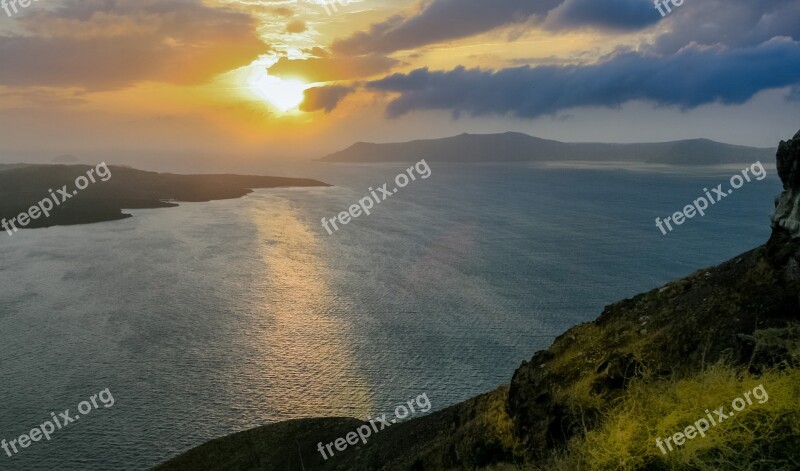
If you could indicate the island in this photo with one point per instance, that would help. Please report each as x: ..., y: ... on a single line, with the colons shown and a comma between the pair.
x: 115, y: 188
x: 520, y: 147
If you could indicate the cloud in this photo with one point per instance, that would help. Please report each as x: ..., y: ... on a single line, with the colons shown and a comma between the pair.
x: 108, y: 44
x: 736, y: 23
x: 330, y: 68
x: 47, y: 97
x: 794, y: 94
x: 296, y: 26
x: 445, y: 20
x: 606, y: 14
x: 688, y: 79
x: 317, y: 51
x: 441, y: 20
x: 324, y: 98
x: 283, y: 11
x: 731, y: 23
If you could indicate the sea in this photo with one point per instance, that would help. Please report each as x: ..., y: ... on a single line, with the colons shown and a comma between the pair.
x: 212, y: 318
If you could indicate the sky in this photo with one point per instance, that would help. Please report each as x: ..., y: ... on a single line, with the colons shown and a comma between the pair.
x: 211, y: 83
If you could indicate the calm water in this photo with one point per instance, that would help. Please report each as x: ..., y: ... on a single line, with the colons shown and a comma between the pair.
x: 212, y: 318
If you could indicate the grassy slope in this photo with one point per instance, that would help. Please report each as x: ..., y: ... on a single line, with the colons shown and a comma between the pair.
x: 710, y: 333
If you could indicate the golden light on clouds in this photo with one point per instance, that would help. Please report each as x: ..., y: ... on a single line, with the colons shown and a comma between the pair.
x: 287, y: 78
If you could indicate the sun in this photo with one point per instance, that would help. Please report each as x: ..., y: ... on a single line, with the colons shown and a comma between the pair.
x: 284, y: 94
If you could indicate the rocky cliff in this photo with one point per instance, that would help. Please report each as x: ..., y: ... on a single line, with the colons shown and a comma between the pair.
x: 787, y: 205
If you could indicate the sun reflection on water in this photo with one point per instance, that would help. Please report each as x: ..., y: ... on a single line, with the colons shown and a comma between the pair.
x: 306, y: 358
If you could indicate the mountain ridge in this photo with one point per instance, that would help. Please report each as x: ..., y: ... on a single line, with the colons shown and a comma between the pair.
x: 520, y: 147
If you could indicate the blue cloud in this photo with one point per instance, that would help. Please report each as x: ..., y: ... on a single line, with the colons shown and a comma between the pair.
x: 606, y: 14
x: 732, y: 23
x: 690, y: 78
x: 445, y: 20
x: 794, y: 94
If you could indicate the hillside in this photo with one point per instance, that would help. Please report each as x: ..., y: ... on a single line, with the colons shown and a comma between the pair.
x: 605, y: 392
x: 518, y: 147
x: 22, y: 186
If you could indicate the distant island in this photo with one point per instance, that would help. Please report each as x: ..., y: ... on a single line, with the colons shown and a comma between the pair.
x: 519, y: 147
x: 22, y: 186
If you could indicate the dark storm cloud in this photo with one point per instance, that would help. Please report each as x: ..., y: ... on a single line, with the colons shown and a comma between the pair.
x: 606, y: 14
x: 690, y: 78
x: 442, y: 20
x: 735, y: 23
x: 732, y: 23
x: 445, y: 20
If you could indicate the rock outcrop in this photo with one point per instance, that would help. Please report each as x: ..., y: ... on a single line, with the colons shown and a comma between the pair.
x: 787, y: 206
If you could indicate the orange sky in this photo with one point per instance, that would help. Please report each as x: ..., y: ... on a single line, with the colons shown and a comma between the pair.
x: 231, y: 78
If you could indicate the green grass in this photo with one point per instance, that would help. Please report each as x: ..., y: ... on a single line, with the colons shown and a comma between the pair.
x: 762, y: 436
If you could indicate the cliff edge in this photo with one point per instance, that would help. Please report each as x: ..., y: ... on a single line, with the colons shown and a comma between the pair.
x: 788, y: 203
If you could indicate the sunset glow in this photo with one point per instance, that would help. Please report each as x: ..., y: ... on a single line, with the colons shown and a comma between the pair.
x: 263, y: 79
x: 274, y: 227
x: 285, y: 95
